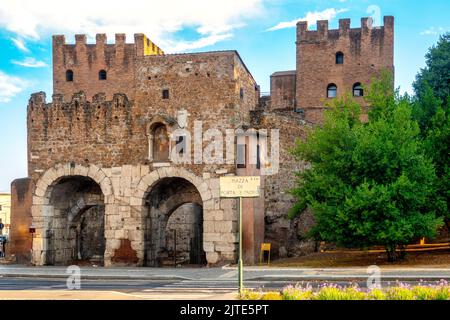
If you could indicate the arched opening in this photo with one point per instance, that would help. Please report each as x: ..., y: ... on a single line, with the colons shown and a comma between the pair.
x: 174, y: 224
x: 102, y: 75
x: 69, y: 76
x: 161, y: 142
x: 75, y: 222
x: 339, y: 58
x: 358, y: 90
x: 331, y: 91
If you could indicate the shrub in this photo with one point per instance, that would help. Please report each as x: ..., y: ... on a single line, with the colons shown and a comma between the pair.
x: 442, y: 293
x: 376, y: 294
x: 271, y: 296
x: 353, y: 293
x: 329, y: 293
x: 250, y: 295
x: 424, y: 293
x: 297, y: 293
x: 399, y: 293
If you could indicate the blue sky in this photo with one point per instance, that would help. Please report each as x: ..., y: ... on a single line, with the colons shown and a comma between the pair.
x: 261, y: 30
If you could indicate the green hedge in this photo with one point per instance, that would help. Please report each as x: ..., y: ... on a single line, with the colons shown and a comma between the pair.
x: 334, y: 292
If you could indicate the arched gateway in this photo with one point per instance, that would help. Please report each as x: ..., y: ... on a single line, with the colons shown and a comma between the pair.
x: 130, y: 215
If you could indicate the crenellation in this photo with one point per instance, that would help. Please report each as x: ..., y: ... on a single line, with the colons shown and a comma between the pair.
x: 80, y: 39
x: 322, y: 28
x: 344, y: 30
x: 344, y: 26
x: 100, y: 40
x: 366, y: 25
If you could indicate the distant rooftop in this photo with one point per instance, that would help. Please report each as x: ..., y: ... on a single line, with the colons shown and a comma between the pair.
x: 284, y: 73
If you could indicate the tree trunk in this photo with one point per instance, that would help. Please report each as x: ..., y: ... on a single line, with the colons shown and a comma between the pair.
x: 391, y: 251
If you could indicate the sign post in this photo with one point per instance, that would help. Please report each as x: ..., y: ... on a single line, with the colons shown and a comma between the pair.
x: 240, y: 187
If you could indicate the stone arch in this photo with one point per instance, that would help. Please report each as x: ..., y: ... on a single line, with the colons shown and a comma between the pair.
x: 148, y: 181
x: 199, y: 193
x: 43, y: 209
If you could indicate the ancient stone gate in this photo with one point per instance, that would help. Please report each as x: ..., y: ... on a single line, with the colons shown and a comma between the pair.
x: 135, y: 206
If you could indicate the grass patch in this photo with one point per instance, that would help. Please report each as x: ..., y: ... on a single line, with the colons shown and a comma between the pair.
x: 437, y: 291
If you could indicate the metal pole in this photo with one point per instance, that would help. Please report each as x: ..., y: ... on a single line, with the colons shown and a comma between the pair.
x: 240, y: 266
x: 175, y: 248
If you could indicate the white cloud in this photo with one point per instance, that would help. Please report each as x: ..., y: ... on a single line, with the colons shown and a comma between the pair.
x: 311, y: 17
x: 214, y: 20
x: 432, y: 31
x: 9, y: 87
x: 30, y: 62
x: 20, y: 44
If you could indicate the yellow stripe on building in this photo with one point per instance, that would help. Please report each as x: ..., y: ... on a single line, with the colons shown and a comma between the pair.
x: 150, y: 48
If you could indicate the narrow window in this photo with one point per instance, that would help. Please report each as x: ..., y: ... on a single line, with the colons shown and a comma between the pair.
x: 241, y: 93
x: 331, y: 91
x: 339, y: 58
x: 358, y: 90
x: 241, y: 151
x: 69, y: 75
x: 165, y: 94
x: 102, y: 75
x: 258, y: 157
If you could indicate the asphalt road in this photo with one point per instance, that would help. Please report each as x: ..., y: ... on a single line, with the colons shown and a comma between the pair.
x: 165, y: 285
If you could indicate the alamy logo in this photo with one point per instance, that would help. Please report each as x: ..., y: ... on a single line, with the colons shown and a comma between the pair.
x: 73, y: 282
x: 374, y: 280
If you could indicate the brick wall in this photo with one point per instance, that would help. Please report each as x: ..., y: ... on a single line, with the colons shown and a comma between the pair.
x: 366, y: 51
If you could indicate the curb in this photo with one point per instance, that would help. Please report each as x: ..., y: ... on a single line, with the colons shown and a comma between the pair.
x: 344, y: 278
x: 93, y: 277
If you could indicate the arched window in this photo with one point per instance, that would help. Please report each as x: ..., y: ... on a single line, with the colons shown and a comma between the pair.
x: 339, y: 58
x: 69, y: 75
x: 102, y: 75
x: 331, y: 90
x: 358, y: 90
x: 160, y: 143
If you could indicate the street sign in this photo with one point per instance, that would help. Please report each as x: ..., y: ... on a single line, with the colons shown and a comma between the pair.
x: 240, y: 187
x: 236, y: 187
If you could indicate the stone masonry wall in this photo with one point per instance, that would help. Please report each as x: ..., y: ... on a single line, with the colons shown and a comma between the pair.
x: 286, y: 236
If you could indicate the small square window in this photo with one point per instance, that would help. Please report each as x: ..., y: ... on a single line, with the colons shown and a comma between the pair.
x: 165, y: 94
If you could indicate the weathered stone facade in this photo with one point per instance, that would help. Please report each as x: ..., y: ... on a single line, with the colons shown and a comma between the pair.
x: 104, y: 184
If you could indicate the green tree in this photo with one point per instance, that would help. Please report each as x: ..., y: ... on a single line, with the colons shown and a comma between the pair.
x: 436, y: 74
x: 431, y: 110
x: 369, y: 183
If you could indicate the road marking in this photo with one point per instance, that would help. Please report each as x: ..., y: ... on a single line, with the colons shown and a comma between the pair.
x: 230, y: 274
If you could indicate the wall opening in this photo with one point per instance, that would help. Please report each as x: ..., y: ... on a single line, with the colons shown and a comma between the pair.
x: 332, y: 91
x: 358, y: 90
x: 69, y: 76
x: 339, y: 58
x: 161, y: 143
x: 76, y: 222
x: 174, y: 224
x: 102, y: 75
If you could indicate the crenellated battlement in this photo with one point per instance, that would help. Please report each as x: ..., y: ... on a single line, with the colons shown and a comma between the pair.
x: 77, y: 118
x: 323, y: 33
x: 98, y: 67
x: 142, y: 44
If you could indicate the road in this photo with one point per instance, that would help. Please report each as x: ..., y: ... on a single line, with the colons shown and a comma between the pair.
x: 18, y: 282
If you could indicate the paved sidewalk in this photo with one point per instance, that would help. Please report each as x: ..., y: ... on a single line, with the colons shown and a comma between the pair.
x: 226, y: 273
x: 109, y: 295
